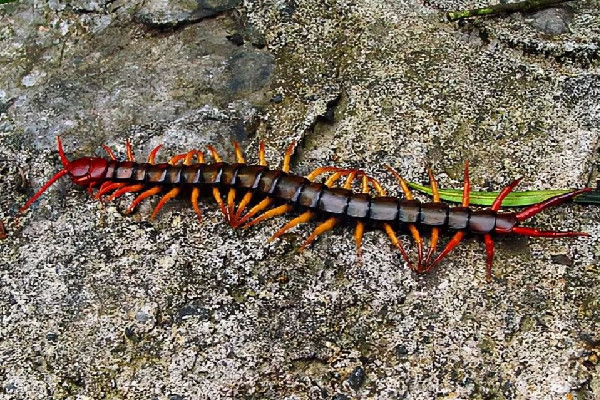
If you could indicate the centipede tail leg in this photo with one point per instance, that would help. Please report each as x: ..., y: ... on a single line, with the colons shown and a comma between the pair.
x: 551, y: 202
x: 458, y: 236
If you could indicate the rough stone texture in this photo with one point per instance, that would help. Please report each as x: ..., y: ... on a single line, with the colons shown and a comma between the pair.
x: 97, y: 304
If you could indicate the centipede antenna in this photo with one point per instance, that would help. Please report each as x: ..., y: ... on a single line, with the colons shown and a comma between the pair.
x: 61, y: 153
x: 36, y: 196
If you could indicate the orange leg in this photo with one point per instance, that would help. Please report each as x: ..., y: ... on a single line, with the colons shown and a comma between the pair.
x: 458, y: 236
x: 287, y: 158
x: 239, y: 156
x: 108, y: 188
x: 435, y: 232
x: 128, y: 150
x: 214, y: 153
x: 110, y: 152
x: 328, y: 225
x: 145, y: 194
x: 282, y: 209
x: 195, y: 194
x: 300, y: 219
x: 261, y: 154
x: 241, y: 207
x: 152, y: 155
x: 170, y: 194
x: 231, y: 207
x: 360, y: 226
x: 218, y: 198
x: 126, y: 189
x: 411, y: 227
x: 257, y: 208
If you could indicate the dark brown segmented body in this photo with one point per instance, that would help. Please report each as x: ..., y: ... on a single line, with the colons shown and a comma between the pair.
x: 304, y: 194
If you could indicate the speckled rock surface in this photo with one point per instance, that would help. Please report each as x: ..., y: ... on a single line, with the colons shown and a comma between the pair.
x: 98, y: 304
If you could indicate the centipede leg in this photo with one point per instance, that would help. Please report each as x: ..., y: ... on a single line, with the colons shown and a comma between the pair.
x: 489, y: 259
x: 218, y: 198
x: 328, y: 225
x: 411, y: 227
x: 489, y: 242
x: 129, y: 151
x: 152, y: 155
x: 195, y: 195
x: 236, y: 221
x: 126, y: 189
x: 282, y: 209
x: 458, y: 236
x: 145, y: 194
x: 360, y: 226
x: 109, y: 152
x: 261, y: 154
x: 434, y: 231
x: 164, y: 200
x: 214, y: 153
x: 287, y: 158
x: 554, y: 201
x: 301, y: 219
x: 254, y: 210
x: 112, y: 186
x: 241, y: 208
x: 239, y: 158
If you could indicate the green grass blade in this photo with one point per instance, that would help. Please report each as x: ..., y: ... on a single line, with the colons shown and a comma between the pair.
x: 514, y: 199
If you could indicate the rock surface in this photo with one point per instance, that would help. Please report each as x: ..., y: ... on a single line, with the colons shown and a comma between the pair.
x: 99, y: 304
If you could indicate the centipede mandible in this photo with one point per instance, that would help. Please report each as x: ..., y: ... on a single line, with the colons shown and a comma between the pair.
x: 248, y: 194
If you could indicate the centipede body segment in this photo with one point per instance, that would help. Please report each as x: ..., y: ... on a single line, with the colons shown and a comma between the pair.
x: 248, y: 194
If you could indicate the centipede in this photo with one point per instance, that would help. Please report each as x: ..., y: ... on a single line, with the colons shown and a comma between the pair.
x: 248, y: 194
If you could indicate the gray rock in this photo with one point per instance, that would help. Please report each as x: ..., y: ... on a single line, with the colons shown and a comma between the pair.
x: 172, y: 13
x: 99, y: 304
x: 553, y: 21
